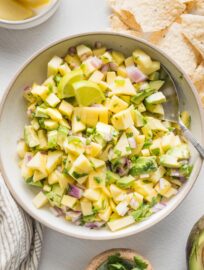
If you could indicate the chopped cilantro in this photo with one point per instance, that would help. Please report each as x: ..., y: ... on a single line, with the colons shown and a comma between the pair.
x: 98, y: 179
x: 78, y: 175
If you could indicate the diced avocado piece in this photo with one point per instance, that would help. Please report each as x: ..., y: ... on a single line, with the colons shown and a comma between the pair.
x: 50, y: 124
x: 52, y: 100
x: 53, y: 65
x: 144, y: 165
x: 52, y: 139
x: 54, y: 114
x: 138, y: 118
x: 43, y: 145
x: 31, y: 182
x: 65, y: 87
x: 156, y: 85
x: 53, y: 198
x: 186, y: 119
x: 125, y: 182
x: 88, y: 93
x: 110, y: 77
x: 112, y: 177
x: 118, y: 57
x: 158, y: 108
x: 169, y: 161
x: 66, y: 109
x: 196, y: 256
x: 35, y: 124
x: 38, y: 175
x: 58, y: 190
x: 40, y: 200
x: 186, y: 170
x: 106, y: 131
x: 30, y: 136
x: 140, y: 96
x: 181, y: 152
x: 46, y: 188
x: 141, y: 108
x: 154, y: 76
x: 41, y: 112
x: 156, y: 98
x: 155, y: 147
x: 83, y: 51
x: 167, y: 141
x: 64, y: 69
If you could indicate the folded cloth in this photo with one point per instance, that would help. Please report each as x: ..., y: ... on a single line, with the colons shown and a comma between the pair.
x: 20, y: 235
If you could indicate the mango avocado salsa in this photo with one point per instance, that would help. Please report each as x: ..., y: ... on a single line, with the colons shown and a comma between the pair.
x: 97, y: 145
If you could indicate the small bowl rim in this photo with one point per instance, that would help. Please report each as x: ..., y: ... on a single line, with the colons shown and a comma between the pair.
x: 31, y: 19
x: 121, y: 234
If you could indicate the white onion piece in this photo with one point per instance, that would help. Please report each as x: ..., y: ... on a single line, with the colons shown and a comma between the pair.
x: 132, y: 142
x: 96, y: 62
x: 135, y: 74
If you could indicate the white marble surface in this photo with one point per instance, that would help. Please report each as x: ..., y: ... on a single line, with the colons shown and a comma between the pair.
x: 164, y: 244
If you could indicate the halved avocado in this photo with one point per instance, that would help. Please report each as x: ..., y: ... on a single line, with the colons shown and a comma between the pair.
x: 99, y: 262
x: 195, y: 247
x: 88, y: 93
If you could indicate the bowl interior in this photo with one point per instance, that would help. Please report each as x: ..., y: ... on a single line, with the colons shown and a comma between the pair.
x: 13, y: 118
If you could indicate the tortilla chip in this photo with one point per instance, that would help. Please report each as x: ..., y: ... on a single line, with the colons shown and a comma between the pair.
x: 118, y: 26
x: 178, y: 47
x: 196, y: 7
x: 193, y: 29
x: 198, y: 78
x: 150, y: 15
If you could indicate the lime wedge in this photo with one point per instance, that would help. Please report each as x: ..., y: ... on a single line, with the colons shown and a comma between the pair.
x: 65, y: 88
x: 88, y: 93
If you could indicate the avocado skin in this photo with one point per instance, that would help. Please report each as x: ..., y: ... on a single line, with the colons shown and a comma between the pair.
x: 195, y: 245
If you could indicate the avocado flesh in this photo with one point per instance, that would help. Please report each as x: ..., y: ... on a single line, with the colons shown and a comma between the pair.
x: 128, y: 265
x: 65, y: 88
x: 196, y: 260
x: 88, y: 93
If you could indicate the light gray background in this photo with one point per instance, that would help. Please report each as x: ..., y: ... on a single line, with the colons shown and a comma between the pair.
x: 164, y: 244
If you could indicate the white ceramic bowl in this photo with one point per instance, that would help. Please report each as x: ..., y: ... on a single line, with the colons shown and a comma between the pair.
x: 42, y: 14
x: 13, y: 118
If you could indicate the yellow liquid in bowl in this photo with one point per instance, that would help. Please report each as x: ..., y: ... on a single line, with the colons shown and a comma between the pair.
x: 14, y: 10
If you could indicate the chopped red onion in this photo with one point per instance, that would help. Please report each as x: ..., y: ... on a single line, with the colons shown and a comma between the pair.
x: 135, y: 74
x: 96, y: 62
x: 105, y: 68
x: 27, y: 89
x: 73, y: 215
x: 113, y: 66
x: 28, y: 157
x: 132, y: 142
x: 72, y: 50
x: 75, y: 191
x: 94, y: 225
x: 157, y: 207
x: 57, y: 211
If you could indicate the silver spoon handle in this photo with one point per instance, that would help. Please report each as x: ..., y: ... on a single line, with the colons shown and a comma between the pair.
x: 187, y: 133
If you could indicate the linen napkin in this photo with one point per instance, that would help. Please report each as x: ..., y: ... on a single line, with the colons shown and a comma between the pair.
x: 20, y: 235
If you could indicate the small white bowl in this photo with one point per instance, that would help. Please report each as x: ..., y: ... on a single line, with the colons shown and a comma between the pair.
x: 42, y: 14
x: 13, y: 119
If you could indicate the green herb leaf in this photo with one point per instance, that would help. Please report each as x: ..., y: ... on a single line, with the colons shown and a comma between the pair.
x: 143, y: 211
x: 139, y: 263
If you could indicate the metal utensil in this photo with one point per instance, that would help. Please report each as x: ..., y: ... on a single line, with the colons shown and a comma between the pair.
x: 194, y: 246
x: 172, y: 109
